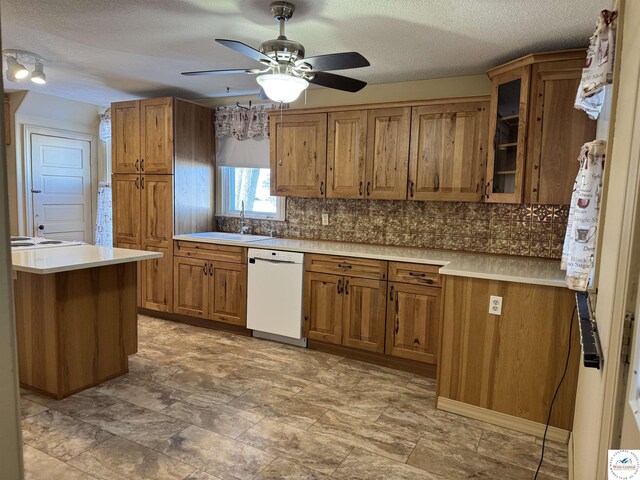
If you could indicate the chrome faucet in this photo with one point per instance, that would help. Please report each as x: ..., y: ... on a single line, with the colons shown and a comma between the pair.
x: 244, y: 229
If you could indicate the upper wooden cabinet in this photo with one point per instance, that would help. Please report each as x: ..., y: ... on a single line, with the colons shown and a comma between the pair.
x: 298, y: 155
x: 387, y: 153
x: 535, y: 133
x: 448, y: 151
x: 346, y: 154
x: 125, y: 137
x: 558, y: 131
x: 156, y: 129
x: 142, y: 136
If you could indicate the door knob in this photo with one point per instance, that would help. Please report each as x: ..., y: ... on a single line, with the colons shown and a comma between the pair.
x: 40, y: 227
x: 36, y: 191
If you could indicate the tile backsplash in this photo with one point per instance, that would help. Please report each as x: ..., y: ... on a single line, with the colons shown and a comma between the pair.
x: 528, y: 230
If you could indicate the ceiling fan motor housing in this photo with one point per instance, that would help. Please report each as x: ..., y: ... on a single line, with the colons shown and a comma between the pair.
x: 283, y: 49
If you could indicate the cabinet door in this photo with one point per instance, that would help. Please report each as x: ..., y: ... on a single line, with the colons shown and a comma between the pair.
x: 191, y: 293
x: 157, y: 210
x: 387, y: 153
x: 364, y: 313
x: 157, y: 281
x: 508, y: 118
x: 228, y: 292
x: 557, y: 132
x: 448, y: 151
x: 346, y: 147
x: 125, y: 137
x: 323, y: 307
x: 413, y: 314
x: 126, y: 210
x: 156, y: 125
x: 298, y: 155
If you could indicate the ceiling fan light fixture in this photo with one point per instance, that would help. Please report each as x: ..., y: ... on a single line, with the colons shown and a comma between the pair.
x: 281, y: 87
x: 15, y: 69
x: 38, y: 76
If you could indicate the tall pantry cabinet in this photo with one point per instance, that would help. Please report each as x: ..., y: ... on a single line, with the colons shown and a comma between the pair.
x: 163, y: 177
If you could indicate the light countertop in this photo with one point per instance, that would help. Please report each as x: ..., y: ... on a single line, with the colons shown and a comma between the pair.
x: 75, y: 257
x: 491, y: 267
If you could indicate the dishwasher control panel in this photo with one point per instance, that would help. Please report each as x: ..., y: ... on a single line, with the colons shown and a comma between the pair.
x: 274, y: 256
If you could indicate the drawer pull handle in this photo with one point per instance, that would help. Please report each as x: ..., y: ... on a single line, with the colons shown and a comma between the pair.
x: 391, y: 293
x: 340, y: 287
x: 415, y: 274
x: 345, y: 265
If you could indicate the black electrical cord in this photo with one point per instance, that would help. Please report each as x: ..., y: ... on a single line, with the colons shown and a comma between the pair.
x: 566, y: 367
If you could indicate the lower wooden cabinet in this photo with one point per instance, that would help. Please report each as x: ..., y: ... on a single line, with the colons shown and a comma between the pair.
x: 323, y: 307
x: 345, y: 310
x: 211, y: 290
x: 413, y: 314
x: 157, y: 281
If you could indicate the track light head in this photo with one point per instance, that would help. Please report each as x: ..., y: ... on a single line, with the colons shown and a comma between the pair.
x: 16, y: 70
x: 38, y: 76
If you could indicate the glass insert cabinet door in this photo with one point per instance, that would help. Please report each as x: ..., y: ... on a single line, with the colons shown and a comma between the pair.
x: 507, y: 136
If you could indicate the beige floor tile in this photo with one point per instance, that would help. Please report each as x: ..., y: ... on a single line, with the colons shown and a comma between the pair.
x: 283, y: 469
x: 523, y: 453
x: 79, y: 405
x: 219, y: 418
x: 148, y: 394
x: 29, y: 408
x: 224, y: 389
x: 377, y: 438
x: 120, y: 459
x: 136, y: 423
x: 317, y: 452
x: 200, y: 475
x: 361, y: 405
x: 61, y: 436
x: 40, y: 466
x: 216, y: 454
x: 333, y: 376
x: 258, y: 377
x: 456, y: 463
x: 364, y: 465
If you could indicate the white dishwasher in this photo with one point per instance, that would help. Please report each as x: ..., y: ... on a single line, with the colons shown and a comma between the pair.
x: 274, y: 295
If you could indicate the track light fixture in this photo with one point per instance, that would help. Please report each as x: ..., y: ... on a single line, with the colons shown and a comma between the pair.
x: 16, y: 71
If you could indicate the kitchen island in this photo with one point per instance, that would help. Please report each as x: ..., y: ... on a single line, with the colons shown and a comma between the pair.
x: 76, y: 316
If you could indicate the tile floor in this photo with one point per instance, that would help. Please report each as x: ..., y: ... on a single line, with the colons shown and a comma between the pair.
x: 202, y: 405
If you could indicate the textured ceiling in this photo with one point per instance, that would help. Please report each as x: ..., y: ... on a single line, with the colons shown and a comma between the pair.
x: 101, y: 51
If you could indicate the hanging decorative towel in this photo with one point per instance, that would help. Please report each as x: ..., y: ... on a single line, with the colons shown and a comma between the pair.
x: 242, y: 122
x: 580, y: 239
x: 598, y: 69
x: 103, y: 218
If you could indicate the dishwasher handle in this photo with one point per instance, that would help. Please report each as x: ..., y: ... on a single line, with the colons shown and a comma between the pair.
x: 253, y: 260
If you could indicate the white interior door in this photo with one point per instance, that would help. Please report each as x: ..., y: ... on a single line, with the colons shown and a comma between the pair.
x: 630, y: 438
x: 61, y: 187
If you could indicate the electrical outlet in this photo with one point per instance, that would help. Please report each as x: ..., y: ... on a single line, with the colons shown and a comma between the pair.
x: 495, y: 305
x: 325, y: 218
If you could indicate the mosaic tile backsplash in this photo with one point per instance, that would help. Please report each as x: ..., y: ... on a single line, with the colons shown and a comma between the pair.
x: 527, y: 230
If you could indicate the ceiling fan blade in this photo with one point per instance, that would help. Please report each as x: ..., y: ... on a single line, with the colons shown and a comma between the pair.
x: 221, y: 72
x: 335, y: 61
x: 263, y: 95
x: 338, y: 82
x: 246, y: 50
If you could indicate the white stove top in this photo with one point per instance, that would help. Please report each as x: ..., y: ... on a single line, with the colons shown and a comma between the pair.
x: 27, y: 243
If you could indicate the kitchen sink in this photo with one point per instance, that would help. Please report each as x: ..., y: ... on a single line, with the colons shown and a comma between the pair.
x: 233, y: 237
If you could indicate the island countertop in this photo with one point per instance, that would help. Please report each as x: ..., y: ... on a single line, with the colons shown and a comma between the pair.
x: 76, y: 257
x: 534, y: 271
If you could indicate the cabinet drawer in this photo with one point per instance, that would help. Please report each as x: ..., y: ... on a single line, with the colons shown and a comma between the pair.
x: 210, y: 251
x: 353, y: 267
x: 414, y: 273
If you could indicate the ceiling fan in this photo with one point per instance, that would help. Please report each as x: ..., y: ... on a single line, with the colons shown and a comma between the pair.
x: 286, y: 72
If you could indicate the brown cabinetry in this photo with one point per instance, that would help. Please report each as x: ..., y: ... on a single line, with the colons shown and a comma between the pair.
x: 298, y: 155
x: 346, y: 154
x: 147, y: 163
x: 387, y: 153
x: 344, y: 301
x: 448, y: 151
x: 210, y: 289
x: 535, y: 133
x: 413, y: 315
